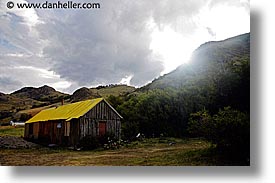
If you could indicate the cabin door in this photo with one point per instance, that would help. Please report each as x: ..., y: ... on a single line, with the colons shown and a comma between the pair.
x: 102, y: 128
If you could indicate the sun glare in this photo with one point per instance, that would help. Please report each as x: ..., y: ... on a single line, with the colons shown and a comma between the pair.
x: 171, y: 48
x: 212, y: 24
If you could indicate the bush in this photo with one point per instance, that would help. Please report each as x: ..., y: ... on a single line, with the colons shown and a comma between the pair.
x: 106, y: 137
x: 89, y: 142
x: 109, y: 141
x: 24, y: 117
x: 229, y: 130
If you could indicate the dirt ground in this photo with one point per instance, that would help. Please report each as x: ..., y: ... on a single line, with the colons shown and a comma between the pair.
x: 10, y: 142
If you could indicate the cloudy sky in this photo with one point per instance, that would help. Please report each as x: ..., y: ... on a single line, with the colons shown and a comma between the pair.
x: 125, y: 41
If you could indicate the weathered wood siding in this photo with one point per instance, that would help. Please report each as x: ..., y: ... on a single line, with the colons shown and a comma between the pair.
x: 89, y: 123
x: 74, y: 132
x: 26, y: 133
x: 35, y: 130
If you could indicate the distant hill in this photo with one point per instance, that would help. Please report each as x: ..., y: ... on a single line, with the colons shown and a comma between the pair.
x: 11, y: 105
x: 101, y: 91
x: 9, y: 102
x: 83, y: 94
x: 43, y: 93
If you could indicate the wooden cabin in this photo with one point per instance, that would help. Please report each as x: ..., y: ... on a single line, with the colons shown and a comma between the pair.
x: 68, y: 124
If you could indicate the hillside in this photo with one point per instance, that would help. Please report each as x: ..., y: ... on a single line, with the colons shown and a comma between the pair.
x: 83, y: 94
x: 43, y: 93
x: 101, y: 91
x: 11, y: 105
x: 209, y: 57
x: 9, y: 102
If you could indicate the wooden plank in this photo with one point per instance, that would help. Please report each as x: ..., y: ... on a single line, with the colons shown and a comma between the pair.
x: 35, y: 130
x: 67, y: 129
x: 26, y: 133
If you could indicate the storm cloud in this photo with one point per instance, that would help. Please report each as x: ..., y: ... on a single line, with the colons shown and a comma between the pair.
x: 72, y: 48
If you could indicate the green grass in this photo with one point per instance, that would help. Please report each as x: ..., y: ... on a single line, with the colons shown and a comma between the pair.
x: 11, y: 131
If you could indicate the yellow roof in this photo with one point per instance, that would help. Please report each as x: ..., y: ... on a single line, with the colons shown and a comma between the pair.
x: 66, y: 112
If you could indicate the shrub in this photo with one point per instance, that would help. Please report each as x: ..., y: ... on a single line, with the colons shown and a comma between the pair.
x: 109, y: 141
x: 106, y: 137
x: 89, y: 142
x: 24, y: 117
x: 229, y: 130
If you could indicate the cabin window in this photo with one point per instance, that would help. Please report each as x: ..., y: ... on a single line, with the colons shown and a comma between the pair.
x: 102, y: 128
x: 58, y: 125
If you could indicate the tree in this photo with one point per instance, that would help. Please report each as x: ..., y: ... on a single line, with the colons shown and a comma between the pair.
x: 229, y: 130
x: 24, y: 117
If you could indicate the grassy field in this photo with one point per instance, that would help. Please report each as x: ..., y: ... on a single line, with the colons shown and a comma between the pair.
x: 11, y: 131
x: 149, y: 152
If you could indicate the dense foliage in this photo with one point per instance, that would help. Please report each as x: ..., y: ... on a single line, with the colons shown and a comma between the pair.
x: 228, y: 130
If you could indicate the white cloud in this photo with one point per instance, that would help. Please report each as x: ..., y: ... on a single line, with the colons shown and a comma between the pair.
x: 30, y: 76
x: 225, y: 21
x: 126, y: 80
x: 28, y: 15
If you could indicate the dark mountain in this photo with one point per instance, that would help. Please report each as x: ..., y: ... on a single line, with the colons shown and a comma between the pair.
x: 43, y: 93
x: 32, y: 92
x: 83, y: 94
x: 3, y: 97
